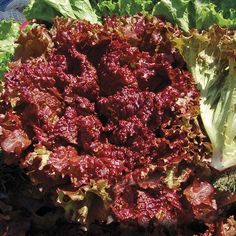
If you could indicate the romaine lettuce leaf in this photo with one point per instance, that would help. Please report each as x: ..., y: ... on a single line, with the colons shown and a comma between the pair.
x: 211, y: 57
x: 9, y: 31
x: 48, y: 9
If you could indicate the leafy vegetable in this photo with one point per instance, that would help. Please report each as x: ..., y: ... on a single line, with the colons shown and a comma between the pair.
x: 211, y: 57
x: 187, y: 14
x: 121, y: 146
x: 9, y: 31
x: 48, y: 9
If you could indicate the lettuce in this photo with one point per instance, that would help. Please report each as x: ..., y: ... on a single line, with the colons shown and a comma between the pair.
x: 128, y: 141
x: 211, y: 57
x: 9, y: 31
x: 187, y: 14
x: 48, y: 9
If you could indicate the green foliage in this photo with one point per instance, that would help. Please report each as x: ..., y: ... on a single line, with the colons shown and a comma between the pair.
x: 187, y: 14
x: 9, y: 31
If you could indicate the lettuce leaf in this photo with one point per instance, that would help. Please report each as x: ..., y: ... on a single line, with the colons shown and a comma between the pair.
x: 222, y: 13
x: 175, y: 11
x: 122, y: 7
x: 211, y: 57
x: 48, y: 9
x: 9, y: 31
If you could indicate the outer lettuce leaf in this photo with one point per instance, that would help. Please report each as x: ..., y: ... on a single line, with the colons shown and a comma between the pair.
x: 48, y: 9
x: 40, y: 10
x: 9, y: 31
x: 211, y: 57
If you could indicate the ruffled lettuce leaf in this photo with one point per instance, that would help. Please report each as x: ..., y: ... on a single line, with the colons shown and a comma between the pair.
x: 9, y: 31
x: 210, y: 12
x: 48, y: 9
x: 211, y: 57
x: 122, y: 7
x: 33, y: 42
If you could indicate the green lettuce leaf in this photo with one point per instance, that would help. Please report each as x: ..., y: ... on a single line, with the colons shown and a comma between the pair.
x: 83, y: 10
x: 48, y: 9
x: 211, y: 57
x: 122, y: 7
x: 190, y: 14
x: 175, y: 11
x: 104, y: 8
x: 222, y: 13
x: 9, y: 31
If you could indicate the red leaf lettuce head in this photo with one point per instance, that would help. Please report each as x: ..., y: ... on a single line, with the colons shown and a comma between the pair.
x: 106, y: 118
